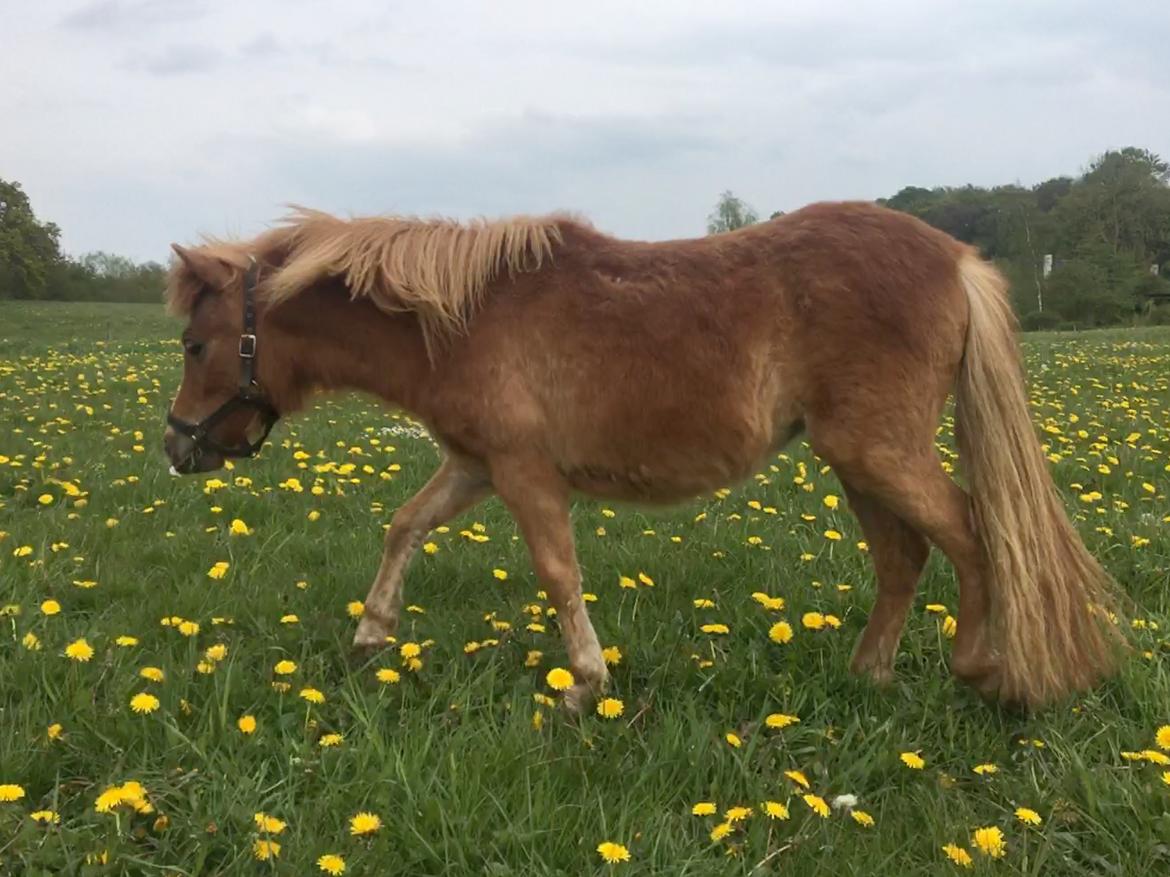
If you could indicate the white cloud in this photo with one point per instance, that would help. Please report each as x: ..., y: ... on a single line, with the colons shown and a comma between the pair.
x: 135, y: 122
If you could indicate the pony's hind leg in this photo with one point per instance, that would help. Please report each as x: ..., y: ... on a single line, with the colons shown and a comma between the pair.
x: 899, y: 553
x: 912, y: 485
x: 538, y: 498
x: 455, y: 487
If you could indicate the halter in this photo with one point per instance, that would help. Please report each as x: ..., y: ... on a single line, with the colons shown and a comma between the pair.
x: 249, y: 394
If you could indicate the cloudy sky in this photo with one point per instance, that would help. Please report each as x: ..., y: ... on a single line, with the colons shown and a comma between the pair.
x: 132, y: 123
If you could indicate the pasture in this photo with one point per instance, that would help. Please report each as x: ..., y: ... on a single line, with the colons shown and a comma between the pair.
x: 178, y: 695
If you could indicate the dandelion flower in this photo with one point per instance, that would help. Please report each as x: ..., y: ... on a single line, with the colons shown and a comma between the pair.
x: 246, y: 724
x: 612, y: 656
x: 1028, y: 816
x: 817, y: 805
x: 79, y: 650
x: 189, y: 628
x: 831, y: 502
x: 610, y: 708
x: 862, y: 818
x: 717, y: 629
x: 813, y: 620
x: 1162, y: 737
x: 985, y: 770
x: 780, y: 632
x: 387, y: 676
x: 154, y: 674
x: 612, y: 853
x: 218, y: 570
x: 989, y: 841
x: 797, y: 777
x: 774, y: 810
x: 559, y: 679
x: 126, y: 641
x: 364, y: 823
x: 264, y: 849
x: 238, y: 528
x: 721, y: 831
x: 330, y: 740
x: 958, y: 855
x: 143, y: 702
x: 737, y: 814
x: 913, y: 760
x: 284, y: 668
x: 11, y: 792
x: 54, y: 731
x: 312, y: 695
x: 703, y: 808
x: 45, y: 817
x: 50, y: 607
x: 331, y: 863
x: 733, y: 740
x: 780, y: 720
x: 268, y: 824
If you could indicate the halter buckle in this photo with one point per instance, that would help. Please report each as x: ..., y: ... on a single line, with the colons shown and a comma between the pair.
x: 248, y: 346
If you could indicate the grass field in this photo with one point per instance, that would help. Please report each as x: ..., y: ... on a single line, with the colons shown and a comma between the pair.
x: 456, y: 751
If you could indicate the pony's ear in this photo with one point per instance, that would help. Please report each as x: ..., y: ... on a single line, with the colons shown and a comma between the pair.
x: 215, y: 273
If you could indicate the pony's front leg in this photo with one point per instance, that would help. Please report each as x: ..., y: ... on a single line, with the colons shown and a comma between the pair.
x: 538, y: 498
x: 457, y: 486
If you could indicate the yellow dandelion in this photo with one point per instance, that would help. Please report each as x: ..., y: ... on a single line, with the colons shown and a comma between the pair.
x: 733, y: 740
x: 189, y: 628
x: 559, y: 679
x: 610, y: 708
x: 703, y: 808
x: 284, y: 668
x: 985, y: 770
x: 388, y: 676
x: 862, y: 818
x: 268, y: 824
x: 50, y: 607
x: 239, y: 528
x: 780, y: 720
x: 79, y: 650
x: 1028, y: 816
x: 355, y: 608
x: 958, y: 855
x: 813, y: 620
x: 989, y: 841
x: 154, y: 674
x: 797, y: 777
x: 718, y: 629
x: 264, y: 849
x: 143, y: 702
x: 246, y: 724
x: 612, y: 853
x: 831, y: 502
x: 721, y: 831
x: 312, y: 695
x: 774, y: 810
x: 45, y: 817
x: 612, y: 655
x: 11, y: 792
x: 54, y: 731
x: 218, y: 570
x: 817, y: 805
x: 913, y: 760
x: 364, y: 823
x: 330, y: 740
x: 1162, y: 737
x: 780, y: 632
x: 331, y: 863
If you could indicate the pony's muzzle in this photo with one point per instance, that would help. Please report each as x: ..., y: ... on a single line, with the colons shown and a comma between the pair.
x: 186, y: 457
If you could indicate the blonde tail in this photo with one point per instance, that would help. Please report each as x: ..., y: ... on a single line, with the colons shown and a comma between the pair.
x: 1052, y: 604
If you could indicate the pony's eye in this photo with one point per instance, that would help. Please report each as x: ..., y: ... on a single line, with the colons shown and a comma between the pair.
x: 194, y: 348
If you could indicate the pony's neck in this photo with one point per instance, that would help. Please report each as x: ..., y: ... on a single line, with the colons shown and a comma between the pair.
x: 339, y: 343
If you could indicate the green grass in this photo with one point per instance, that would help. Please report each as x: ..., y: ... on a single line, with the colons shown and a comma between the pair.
x: 448, y: 757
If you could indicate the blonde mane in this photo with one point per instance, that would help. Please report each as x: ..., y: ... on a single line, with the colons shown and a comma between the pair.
x: 438, y: 269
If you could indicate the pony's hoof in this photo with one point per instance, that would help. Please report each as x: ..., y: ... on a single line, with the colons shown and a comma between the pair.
x: 880, y: 673
x: 579, y: 699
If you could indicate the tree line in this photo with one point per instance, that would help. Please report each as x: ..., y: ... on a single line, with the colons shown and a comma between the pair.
x: 32, y: 265
x: 1091, y: 250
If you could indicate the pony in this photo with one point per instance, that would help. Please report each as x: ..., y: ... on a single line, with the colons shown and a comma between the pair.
x: 548, y: 359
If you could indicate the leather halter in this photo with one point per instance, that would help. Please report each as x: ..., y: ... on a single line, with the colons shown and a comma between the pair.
x: 249, y: 393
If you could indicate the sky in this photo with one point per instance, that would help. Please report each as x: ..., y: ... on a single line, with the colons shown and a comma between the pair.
x: 134, y: 123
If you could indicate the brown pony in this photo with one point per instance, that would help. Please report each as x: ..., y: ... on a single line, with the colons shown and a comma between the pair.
x: 548, y: 358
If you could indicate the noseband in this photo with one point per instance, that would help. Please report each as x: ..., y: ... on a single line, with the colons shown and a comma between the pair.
x: 249, y: 394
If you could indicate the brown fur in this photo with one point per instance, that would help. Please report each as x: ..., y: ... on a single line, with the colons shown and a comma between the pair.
x: 652, y: 372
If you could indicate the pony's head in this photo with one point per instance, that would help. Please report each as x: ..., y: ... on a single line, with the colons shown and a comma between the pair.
x: 226, y: 403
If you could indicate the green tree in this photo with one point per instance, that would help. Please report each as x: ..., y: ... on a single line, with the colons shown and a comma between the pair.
x: 28, y: 248
x: 729, y: 214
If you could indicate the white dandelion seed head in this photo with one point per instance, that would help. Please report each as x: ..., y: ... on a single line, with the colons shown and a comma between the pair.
x: 847, y: 802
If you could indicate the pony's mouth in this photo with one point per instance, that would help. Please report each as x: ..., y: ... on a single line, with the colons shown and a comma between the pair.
x: 187, y: 458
